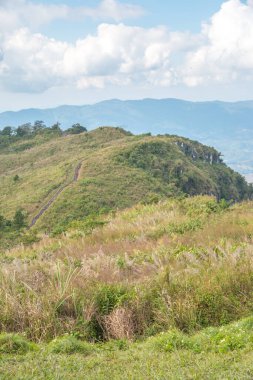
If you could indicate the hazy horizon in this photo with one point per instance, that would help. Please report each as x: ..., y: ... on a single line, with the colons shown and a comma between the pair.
x: 126, y: 100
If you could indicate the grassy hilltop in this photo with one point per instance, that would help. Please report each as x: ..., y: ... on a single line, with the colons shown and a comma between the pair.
x: 118, y: 170
x: 141, y: 267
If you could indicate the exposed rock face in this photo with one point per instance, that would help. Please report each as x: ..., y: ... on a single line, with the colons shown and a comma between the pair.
x: 209, y: 156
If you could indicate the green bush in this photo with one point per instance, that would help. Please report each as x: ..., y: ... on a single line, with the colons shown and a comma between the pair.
x: 68, y: 344
x: 106, y: 298
x: 110, y: 296
x: 15, y: 344
x: 170, y: 341
x: 236, y: 336
x: 115, y: 345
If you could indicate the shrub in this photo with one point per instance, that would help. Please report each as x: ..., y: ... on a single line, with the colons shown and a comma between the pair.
x: 115, y: 345
x: 235, y: 336
x: 70, y: 345
x: 170, y: 341
x: 109, y: 296
x: 102, y: 324
x: 15, y: 344
x: 16, y: 178
x: 19, y: 220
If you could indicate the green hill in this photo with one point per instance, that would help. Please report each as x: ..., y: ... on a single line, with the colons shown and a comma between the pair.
x: 153, y: 272
x: 115, y: 170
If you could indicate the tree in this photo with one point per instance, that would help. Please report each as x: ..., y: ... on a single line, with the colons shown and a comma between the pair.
x: 16, y: 178
x: 24, y: 130
x: 38, y: 126
x: 7, y: 131
x: 56, y: 128
x: 76, y: 129
x: 19, y: 220
x: 2, y: 222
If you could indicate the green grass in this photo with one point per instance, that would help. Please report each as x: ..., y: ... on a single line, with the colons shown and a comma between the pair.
x: 183, y: 264
x: 118, y: 171
x: 136, y: 280
x: 224, y: 353
x: 15, y: 344
x: 157, y: 291
x: 70, y: 345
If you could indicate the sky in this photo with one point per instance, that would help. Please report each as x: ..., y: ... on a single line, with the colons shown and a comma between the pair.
x: 85, y: 51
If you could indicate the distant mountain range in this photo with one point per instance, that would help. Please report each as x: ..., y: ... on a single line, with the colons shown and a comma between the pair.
x: 226, y: 126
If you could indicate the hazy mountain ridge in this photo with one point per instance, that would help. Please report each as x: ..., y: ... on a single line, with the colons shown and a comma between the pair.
x: 226, y: 126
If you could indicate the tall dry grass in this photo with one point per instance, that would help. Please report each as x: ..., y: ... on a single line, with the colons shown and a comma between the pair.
x: 46, y: 299
x: 150, y: 268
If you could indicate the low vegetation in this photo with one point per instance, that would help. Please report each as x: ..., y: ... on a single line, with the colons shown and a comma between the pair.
x: 214, y: 353
x: 142, y: 268
x: 118, y: 170
x: 27, y: 135
x: 183, y: 264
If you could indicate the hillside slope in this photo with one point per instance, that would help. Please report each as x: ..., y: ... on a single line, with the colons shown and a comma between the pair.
x: 158, y: 289
x: 116, y: 170
x: 226, y: 126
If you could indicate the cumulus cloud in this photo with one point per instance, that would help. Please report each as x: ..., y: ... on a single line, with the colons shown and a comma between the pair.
x: 122, y: 55
x: 227, y: 51
x: 116, y: 54
x: 31, y: 61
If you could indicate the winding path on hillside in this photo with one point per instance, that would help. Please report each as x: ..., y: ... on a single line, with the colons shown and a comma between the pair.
x: 56, y: 195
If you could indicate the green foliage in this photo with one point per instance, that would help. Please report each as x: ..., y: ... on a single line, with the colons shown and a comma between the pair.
x: 68, y: 344
x: 235, y: 336
x: 118, y: 171
x: 29, y: 237
x: 108, y: 297
x: 199, y: 170
x: 213, y: 353
x: 114, y: 345
x: 15, y: 344
x: 76, y: 129
x: 81, y: 227
x: 173, y: 340
x: 27, y: 135
x: 16, y: 178
x: 178, y: 271
x: 11, y: 231
x: 19, y: 220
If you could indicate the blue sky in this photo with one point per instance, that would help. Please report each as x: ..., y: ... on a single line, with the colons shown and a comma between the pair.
x: 83, y: 51
x: 177, y: 15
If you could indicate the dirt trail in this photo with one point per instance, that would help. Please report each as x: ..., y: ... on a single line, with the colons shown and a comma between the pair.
x: 56, y: 195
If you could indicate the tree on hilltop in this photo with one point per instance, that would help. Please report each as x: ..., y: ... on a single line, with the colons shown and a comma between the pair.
x: 76, y: 129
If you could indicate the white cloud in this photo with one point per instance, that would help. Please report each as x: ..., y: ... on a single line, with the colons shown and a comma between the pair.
x: 118, y: 49
x: 31, y: 62
x: 24, y: 13
x: 227, y: 52
x: 125, y: 55
x: 117, y: 54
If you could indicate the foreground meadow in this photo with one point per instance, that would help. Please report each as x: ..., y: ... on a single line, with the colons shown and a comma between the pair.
x: 214, y: 353
x: 157, y: 291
